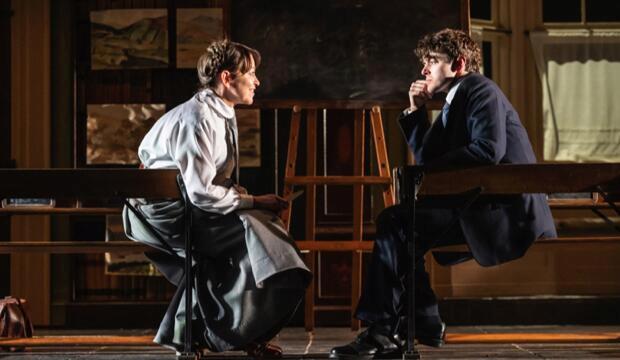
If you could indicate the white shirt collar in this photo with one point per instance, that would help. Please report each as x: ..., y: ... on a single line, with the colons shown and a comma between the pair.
x: 208, y: 97
x: 452, y: 92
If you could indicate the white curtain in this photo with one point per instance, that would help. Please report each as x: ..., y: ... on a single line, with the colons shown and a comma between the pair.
x: 580, y: 73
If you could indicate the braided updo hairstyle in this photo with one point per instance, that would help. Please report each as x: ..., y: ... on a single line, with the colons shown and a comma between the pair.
x: 225, y: 55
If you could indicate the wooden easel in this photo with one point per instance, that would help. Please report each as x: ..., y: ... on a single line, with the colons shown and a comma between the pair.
x: 357, y: 180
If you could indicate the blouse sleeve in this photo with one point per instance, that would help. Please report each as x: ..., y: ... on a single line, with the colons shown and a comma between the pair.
x: 192, y: 150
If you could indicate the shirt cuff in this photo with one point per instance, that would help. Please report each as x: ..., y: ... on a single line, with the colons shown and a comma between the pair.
x: 245, y: 201
x: 407, y: 111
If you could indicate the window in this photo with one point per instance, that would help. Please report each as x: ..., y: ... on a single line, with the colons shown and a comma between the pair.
x: 490, y: 29
x: 602, y: 11
x: 561, y: 11
x: 578, y: 59
x: 580, y: 11
x: 487, y: 59
x: 481, y: 9
x: 580, y: 73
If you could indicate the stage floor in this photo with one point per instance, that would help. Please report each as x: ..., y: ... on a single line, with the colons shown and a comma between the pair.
x: 490, y: 342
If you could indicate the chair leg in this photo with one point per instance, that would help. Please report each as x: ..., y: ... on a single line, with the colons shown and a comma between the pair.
x: 187, y: 351
x: 309, y: 311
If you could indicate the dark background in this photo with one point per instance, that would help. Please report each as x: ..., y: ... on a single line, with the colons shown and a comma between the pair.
x: 338, y: 50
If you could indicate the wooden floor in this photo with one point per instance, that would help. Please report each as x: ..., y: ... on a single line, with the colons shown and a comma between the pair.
x: 485, y: 342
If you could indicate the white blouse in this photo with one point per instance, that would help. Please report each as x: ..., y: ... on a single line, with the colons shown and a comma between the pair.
x: 199, y: 138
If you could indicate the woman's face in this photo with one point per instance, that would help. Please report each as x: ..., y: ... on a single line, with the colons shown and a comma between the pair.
x: 241, y: 87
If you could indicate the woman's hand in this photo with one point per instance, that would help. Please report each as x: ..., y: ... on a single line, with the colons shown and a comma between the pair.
x: 240, y: 189
x: 271, y: 202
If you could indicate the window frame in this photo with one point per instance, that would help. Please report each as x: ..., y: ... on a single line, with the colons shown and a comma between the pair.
x: 582, y: 24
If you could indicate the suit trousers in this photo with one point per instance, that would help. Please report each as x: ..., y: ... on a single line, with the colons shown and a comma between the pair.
x: 384, y: 293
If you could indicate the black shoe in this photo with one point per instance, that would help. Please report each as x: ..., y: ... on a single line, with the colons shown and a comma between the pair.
x: 430, y: 331
x: 370, y: 344
x: 434, y: 336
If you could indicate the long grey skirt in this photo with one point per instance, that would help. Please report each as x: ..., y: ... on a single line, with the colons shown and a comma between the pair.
x: 248, y: 276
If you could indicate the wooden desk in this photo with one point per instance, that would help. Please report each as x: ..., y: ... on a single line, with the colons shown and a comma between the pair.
x: 517, y: 179
x: 416, y: 182
x: 77, y: 187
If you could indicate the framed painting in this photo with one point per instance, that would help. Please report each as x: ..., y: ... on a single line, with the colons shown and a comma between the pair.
x: 248, y: 124
x: 129, y: 39
x: 114, y: 131
x: 196, y: 29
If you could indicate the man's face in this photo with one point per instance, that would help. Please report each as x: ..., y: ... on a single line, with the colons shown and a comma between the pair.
x: 241, y: 89
x: 438, y: 72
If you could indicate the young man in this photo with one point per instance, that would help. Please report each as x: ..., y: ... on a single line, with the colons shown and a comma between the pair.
x: 477, y: 126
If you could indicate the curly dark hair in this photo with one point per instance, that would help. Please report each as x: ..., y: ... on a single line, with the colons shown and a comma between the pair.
x: 453, y: 43
x: 225, y: 55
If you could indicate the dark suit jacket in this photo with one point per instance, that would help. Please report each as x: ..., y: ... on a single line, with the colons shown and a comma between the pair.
x: 483, y: 129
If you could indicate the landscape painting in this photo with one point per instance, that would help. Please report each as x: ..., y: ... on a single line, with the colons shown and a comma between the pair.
x: 129, y: 39
x: 196, y: 28
x: 248, y: 124
x: 114, y: 131
x: 124, y: 263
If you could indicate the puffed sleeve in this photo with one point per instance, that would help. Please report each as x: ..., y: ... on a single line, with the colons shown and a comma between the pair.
x: 192, y: 150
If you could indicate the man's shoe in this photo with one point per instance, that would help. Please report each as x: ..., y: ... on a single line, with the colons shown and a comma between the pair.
x: 427, y: 332
x: 369, y: 344
x: 431, y: 335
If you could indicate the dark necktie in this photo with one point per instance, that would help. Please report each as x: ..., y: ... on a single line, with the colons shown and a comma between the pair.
x: 234, y: 149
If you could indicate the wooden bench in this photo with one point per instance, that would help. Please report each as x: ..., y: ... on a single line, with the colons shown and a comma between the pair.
x: 73, y: 188
x: 602, y: 180
x: 416, y: 182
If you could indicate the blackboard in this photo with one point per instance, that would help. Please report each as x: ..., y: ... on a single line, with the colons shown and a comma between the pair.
x: 339, y: 49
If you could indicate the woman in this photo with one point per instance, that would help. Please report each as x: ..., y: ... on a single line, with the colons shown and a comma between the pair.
x: 249, y: 276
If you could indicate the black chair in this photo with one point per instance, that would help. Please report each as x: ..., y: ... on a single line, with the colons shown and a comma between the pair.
x: 188, y: 353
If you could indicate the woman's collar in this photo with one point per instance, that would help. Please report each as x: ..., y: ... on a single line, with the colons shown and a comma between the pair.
x: 208, y: 97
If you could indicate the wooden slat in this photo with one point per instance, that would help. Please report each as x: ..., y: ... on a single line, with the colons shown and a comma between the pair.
x: 38, y: 210
x: 358, y: 212
x: 71, y: 247
x: 311, y: 119
x: 97, y: 183
x: 523, y: 178
x: 531, y: 337
x: 291, y: 161
x: 336, y: 104
x: 574, y: 204
x: 578, y: 205
x: 318, y: 308
x: 505, y: 337
x: 327, y: 104
x: 311, y: 172
x: 383, y: 162
x: 82, y: 247
x: 547, y: 241
x: 579, y: 239
x: 338, y: 180
x: 84, y: 340
x: 343, y: 229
